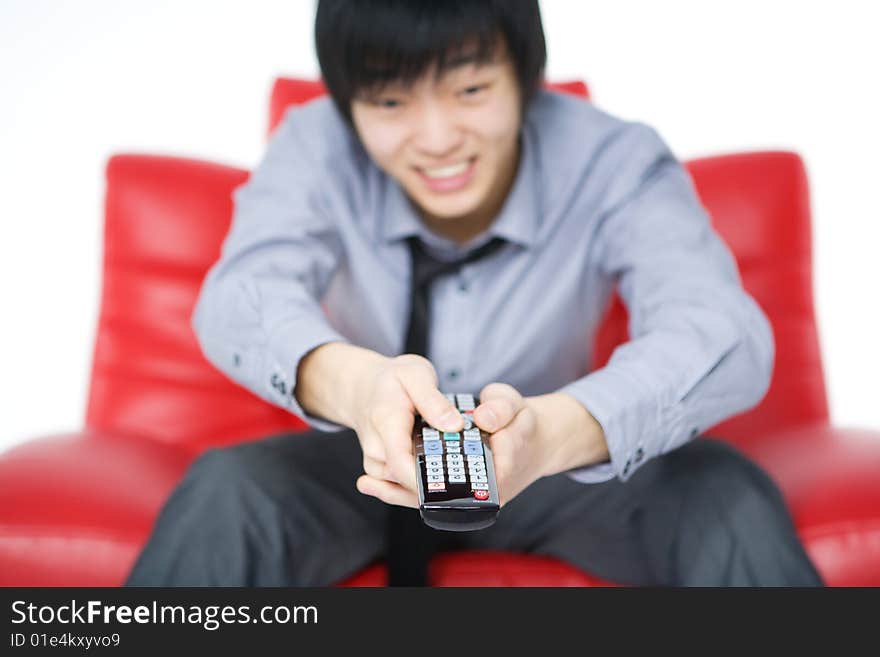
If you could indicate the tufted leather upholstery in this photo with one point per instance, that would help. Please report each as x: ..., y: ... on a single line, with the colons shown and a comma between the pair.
x: 166, y: 220
x: 76, y: 508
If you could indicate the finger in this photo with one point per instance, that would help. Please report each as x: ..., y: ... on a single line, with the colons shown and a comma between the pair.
x: 371, y: 444
x: 513, y: 460
x: 387, y: 491
x: 499, y: 405
x: 376, y: 468
x: 394, y: 426
x: 420, y: 383
x: 504, y: 457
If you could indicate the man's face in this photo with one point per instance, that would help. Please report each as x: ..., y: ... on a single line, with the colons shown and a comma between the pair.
x: 451, y: 142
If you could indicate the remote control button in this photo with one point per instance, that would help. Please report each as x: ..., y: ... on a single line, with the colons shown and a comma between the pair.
x: 435, y: 478
x: 433, y: 447
x: 479, y: 479
x: 472, y: 448
x: 468, y: 421
x: 451, y: 435
x: 475, y: 459
x: 436, y: 486
x: 472, y: 434
x: 453, y: 444
x: 455, y: 471
x: 454, y: 457
x: 479, y: 486
x: 453, y: 450
x: 434, y: 472
x: 456, y: 479
x: 481, y: 494
x: 465, y: 402
x: 476, y: 471
x: 430, y: 434
x: 434, y: 462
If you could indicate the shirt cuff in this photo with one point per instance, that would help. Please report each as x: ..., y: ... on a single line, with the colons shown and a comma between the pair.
x: 638, y: 421
x: 288, y: 344
x: 593, y: 474
x: 626, y: 409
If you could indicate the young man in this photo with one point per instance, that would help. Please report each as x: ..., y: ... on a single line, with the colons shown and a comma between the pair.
x: 438, y: 138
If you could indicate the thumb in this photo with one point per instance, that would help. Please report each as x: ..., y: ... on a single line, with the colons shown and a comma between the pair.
x: 499, y: 405
x: 430, y: 403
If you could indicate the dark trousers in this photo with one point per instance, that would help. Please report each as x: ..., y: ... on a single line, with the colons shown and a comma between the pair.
x: 284, y: 511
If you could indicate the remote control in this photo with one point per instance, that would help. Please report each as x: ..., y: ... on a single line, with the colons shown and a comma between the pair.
x: 455, y: 472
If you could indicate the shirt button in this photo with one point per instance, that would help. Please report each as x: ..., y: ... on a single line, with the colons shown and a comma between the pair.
x: 640, y: 453
x: 694, y: 433
x: 463, y: 286
x: 453, y: 374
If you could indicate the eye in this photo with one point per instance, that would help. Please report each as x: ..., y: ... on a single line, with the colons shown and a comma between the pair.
x: 473, y: 90
x: 387, y: 103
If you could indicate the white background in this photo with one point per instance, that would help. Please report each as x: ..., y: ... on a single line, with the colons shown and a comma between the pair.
x: 82, y: 80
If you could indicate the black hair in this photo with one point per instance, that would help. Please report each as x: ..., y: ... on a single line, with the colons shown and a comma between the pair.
x: 363, y: 44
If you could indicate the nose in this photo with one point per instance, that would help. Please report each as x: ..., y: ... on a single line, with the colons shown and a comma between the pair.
x: 437, y: 135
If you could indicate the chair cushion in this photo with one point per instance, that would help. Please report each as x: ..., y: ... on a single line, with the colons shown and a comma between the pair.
x: 75, y: 509
x: 489, y: 568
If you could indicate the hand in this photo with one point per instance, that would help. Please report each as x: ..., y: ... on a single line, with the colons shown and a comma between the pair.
x: 388, y: 395
x: 534, y: 437
x: 518, y: 454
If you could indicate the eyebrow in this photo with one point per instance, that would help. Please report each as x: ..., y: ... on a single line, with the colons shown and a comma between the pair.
x: 455, y: 62
x: 462, y: 60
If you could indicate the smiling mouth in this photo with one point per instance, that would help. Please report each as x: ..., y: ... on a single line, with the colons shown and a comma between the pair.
x: 450, y: 171
x: 448, y: 178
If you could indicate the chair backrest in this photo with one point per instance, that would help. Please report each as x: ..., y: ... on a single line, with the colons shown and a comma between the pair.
x: 166, y: 218
x: 759, y: 203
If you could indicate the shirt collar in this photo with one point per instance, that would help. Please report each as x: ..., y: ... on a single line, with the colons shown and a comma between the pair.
x: 517, y: 222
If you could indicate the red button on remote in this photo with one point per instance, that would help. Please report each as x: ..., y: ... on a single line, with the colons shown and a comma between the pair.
x: 481, y: 494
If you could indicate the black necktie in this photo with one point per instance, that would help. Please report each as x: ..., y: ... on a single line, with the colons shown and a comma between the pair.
x: 410, y: 541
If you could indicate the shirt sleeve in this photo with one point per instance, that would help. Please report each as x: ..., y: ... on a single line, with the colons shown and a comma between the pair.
x: 701, y: 349
x: 258, y: 312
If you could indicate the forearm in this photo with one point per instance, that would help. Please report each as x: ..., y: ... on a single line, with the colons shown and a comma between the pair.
x: 327, y: 380
x: 571, y: 436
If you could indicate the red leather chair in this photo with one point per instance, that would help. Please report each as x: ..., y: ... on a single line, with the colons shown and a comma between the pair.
x: 75, y: 509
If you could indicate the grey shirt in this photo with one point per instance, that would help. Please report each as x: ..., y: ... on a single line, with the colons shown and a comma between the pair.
x: 317, y: 253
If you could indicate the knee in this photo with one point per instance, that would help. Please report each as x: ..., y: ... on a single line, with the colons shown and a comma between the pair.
x: 220, y: 469
x: 735, y: 527
x: 249, y: 489
x: 240, y: 472
x: 723, y: 488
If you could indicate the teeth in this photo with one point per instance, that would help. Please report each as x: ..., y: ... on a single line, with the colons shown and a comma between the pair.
x: 447, y: 172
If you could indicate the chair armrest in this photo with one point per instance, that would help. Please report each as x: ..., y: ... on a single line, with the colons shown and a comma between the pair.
x: 829, y: 477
